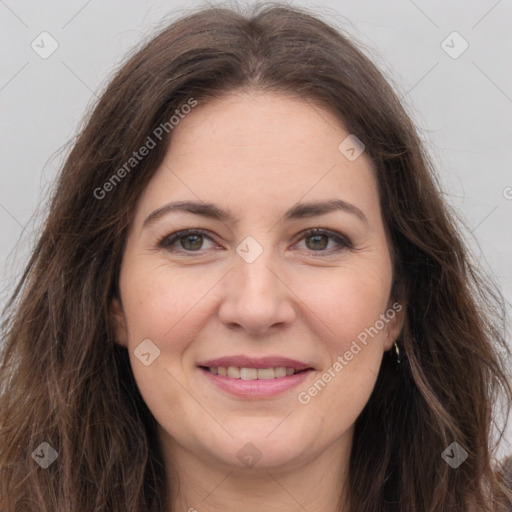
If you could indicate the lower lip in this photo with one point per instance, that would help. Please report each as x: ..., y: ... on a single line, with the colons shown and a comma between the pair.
x: 256, y: 388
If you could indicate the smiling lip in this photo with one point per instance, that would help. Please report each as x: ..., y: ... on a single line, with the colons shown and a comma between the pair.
x: 263, y: 362
x: 256, y: 388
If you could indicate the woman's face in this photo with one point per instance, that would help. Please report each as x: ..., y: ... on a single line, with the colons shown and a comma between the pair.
x: 248, y: 288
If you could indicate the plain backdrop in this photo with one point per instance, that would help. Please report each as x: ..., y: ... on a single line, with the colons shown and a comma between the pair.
x: 457, y: 87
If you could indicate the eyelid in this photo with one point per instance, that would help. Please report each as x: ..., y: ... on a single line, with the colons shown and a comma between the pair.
x: 344, y: 243
x: 182, y: 233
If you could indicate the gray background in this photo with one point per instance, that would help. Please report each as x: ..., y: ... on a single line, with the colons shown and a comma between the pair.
x: 462, y: 106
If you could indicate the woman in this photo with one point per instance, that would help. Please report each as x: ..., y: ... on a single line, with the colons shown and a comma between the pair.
x: 249, y: 293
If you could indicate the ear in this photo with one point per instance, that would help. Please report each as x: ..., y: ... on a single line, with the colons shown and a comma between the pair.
x: 119, y: 322
x: 396, y: 316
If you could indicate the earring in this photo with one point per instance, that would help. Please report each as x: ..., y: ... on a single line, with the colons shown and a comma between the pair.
x: 397, y: 350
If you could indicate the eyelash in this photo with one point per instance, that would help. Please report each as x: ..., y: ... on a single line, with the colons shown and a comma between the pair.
x: 343, y: 242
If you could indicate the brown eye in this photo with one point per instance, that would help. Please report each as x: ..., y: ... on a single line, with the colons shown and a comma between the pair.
x: 190, y: 240
x: 317, y: 242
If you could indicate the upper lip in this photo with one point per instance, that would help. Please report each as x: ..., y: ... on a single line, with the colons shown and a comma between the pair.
x: 253, y: 362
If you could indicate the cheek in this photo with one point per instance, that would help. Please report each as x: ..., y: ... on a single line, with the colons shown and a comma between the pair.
x: 163, y: 303
x: 348, y: 306
x: 168, y: 307
x: 346, y: 301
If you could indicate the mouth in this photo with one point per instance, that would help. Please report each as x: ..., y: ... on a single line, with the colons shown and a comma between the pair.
x: 255, y: 378
x: 245, y: 373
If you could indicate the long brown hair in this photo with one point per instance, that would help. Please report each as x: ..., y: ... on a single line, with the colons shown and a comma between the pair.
x: 64, y: 380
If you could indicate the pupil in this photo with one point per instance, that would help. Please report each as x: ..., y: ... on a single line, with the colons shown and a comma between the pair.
x: 196, y: 242
x: 316, y: 239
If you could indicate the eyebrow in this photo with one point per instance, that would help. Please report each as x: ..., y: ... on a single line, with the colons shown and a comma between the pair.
x: 298, y: 211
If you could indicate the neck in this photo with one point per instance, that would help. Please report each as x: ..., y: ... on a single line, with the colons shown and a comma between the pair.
x: 203, y: 484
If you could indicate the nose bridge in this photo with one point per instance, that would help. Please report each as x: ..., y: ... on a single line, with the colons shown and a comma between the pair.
x: 256, y: 281
x: 256, y: 297
x: 258, y: 278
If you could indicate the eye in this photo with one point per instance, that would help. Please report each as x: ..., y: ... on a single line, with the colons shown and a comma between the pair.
x: 190, y: 240
x: 317, y: 240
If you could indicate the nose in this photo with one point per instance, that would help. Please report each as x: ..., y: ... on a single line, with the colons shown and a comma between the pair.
x: 256, y: 297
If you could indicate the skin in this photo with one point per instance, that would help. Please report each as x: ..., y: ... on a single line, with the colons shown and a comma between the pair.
x: 256, y: 154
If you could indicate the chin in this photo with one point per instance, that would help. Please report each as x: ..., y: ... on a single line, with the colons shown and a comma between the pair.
x: 260, y: 449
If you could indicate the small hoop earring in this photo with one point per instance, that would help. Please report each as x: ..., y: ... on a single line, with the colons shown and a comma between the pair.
x: 397, y: 350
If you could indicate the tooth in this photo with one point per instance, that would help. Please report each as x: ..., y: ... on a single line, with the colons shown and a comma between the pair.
x: 234, y: 372
x: 248, y: 373
x: 280, y: 371
x: 266, y: 373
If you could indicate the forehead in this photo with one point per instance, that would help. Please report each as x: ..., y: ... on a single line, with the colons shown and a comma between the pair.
x: 260, y: 151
